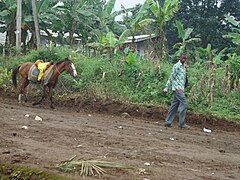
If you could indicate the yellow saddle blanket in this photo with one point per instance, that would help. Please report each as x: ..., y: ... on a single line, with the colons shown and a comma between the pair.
x: 42, y: 66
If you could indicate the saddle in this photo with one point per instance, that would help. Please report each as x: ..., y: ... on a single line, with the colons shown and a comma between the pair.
x: 34, y: 72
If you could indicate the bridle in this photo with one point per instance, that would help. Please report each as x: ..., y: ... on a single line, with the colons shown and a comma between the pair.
x: 57, y: 68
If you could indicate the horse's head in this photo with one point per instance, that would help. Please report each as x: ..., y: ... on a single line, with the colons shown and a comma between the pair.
x: 70, y: 67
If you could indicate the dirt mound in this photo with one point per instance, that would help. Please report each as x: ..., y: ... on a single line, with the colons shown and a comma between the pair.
x: 150, y: 112
x: 156, y: 113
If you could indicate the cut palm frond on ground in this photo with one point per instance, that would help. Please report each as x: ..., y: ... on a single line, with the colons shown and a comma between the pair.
x: 89, y: 167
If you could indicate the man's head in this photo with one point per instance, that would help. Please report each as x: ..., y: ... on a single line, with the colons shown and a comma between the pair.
x: 183, y: 58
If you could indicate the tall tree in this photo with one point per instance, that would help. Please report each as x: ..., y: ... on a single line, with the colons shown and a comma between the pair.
x: 207, y: 19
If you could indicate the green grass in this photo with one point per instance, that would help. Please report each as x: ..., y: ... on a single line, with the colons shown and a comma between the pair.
x: 10, y: 171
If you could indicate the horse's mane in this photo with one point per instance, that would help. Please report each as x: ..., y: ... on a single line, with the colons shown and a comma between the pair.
x: 64, y: 60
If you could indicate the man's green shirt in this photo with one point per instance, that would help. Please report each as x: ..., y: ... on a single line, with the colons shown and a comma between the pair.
x: 178, y: 77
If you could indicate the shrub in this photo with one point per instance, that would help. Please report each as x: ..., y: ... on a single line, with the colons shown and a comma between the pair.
x: 5, y: 78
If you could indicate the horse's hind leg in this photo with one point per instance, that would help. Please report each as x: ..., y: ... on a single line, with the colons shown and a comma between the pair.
x: 25, y: 92
x: 25, y: 83
x: 43, y: 96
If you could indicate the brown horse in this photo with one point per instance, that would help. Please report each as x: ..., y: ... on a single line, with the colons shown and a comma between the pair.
x: 57, y: 69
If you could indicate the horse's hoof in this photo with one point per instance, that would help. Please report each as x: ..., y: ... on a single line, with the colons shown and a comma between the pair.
x: 52, y: 107
x: 36, y: 103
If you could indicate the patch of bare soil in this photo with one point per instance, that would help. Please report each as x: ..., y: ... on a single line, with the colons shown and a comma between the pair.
x: 121, y: 133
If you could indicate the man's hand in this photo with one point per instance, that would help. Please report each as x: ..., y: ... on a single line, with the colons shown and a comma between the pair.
x: 165, y: 90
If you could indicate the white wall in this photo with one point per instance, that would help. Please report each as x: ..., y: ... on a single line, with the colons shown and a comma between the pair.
x: 2, y: 38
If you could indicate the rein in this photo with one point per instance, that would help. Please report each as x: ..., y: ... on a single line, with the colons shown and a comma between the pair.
x: 57, y: 69
x: 60, y: 79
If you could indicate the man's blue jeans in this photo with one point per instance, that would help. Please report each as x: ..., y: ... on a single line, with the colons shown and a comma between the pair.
x: 179, y: 100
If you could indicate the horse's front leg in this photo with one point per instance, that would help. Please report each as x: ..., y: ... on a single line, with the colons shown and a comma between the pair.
x: 51, y: 98
x: 43, y: 96
x: 20, y: 98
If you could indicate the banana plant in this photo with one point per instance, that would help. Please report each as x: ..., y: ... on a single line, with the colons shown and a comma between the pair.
x: 72, y: 14
x: 160, y: 16
x: 235, y: 35
x: 8, y: 18
x: 137, y: 23
x: 106, y: 18
x: 8, y: 9
x: 46, y: 17
x: 234, y: 62
x: 109, y: 42
x: 184, y: 34
x: 210, y: 55
x: 234, y: 58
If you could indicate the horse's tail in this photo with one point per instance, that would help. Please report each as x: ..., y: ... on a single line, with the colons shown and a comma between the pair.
x: 14, y: 76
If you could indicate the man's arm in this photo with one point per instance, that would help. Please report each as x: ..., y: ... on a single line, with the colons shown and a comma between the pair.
x: 170, y: 79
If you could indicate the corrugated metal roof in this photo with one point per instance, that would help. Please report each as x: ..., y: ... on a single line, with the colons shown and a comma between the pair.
x: 140, y: 38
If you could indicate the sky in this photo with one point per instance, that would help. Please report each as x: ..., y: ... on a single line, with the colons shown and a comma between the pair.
x: 126, y: 4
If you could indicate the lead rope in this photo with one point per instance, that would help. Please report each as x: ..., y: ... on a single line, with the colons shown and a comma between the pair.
x: 60, y: 79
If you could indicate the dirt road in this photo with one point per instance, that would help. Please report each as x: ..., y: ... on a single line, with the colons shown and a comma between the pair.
x: 156, y: 152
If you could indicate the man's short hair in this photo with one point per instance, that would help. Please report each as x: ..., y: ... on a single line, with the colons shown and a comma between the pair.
x: 183, y: 54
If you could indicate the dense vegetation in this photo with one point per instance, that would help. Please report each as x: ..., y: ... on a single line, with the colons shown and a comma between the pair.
x: 141, y: 81
x: 208, y: 31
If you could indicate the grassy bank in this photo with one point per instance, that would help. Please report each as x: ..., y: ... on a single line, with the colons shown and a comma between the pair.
x: 10, y: 171
x: 140, y: 81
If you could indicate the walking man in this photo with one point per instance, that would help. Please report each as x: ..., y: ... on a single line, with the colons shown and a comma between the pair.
x: 178, y: 81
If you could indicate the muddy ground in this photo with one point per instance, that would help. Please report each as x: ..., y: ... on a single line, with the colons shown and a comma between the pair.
x: 120, y: 133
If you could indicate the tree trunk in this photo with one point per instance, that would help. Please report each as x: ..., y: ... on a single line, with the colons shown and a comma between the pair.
x: 73, y: 28
x: 24, y: 39
x: 160, y: 45
x: 18, y: 27
x: 36, y: 24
